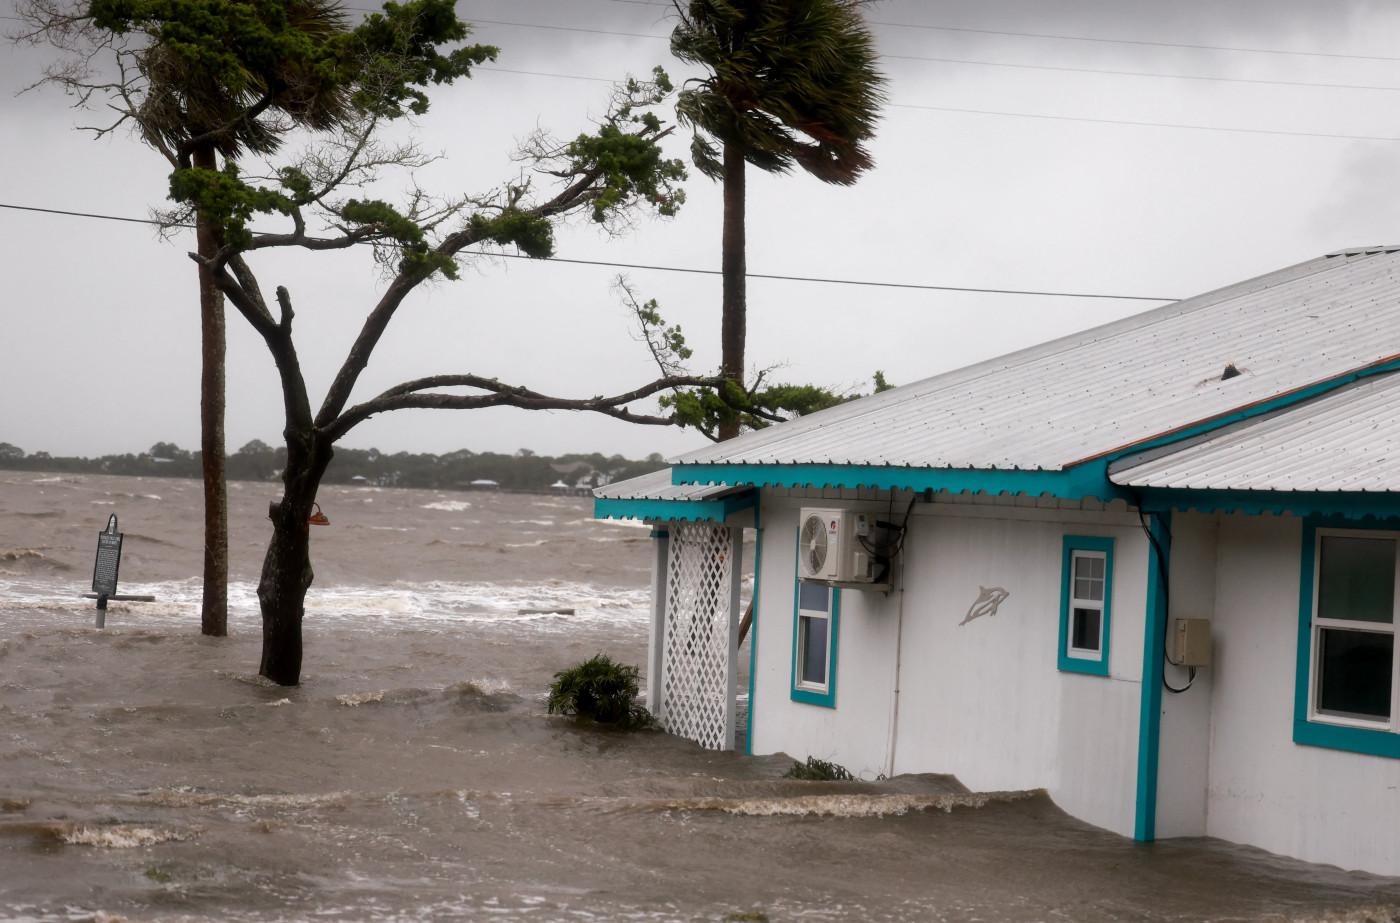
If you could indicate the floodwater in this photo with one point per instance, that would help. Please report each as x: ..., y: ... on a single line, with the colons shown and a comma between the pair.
x: 147, y: 773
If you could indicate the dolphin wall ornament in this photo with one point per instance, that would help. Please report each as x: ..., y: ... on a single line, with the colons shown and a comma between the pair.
x: 986, y: 604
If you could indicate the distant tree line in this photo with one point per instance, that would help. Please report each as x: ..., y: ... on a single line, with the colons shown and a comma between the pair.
x: 257, y: 461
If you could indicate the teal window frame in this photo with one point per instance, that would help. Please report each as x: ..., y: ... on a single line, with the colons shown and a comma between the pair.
x: 1310, y: 728
x: 810, y: 696
x: 1069, y: 663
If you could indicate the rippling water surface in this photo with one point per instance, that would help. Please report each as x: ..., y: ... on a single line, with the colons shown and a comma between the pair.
x: 148, y: 773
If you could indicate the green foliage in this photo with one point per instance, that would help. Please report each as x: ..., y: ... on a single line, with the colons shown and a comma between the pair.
x: 387, y: 222
x: 707, y: 409
x: 816, y: 770
x: 746, y: 916
x: 790, y: 82
x: 533, y: 234
x: 402, y: 42
x: 598, y: 689
x: 225, y: 198
x: 629, y: 165
x: 156, y: 873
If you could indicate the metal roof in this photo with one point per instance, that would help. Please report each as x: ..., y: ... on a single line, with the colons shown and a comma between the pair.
x: 1346, y: 440
x: 1082, y: 396
x: 658, y: 486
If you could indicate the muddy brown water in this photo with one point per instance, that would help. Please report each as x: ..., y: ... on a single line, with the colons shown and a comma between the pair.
x: 147, y: 773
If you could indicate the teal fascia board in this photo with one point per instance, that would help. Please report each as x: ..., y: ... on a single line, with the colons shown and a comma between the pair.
x: 674, y: 510
x: 1154, y: 653
x: 1087, y: 480
x: 1353, y: 505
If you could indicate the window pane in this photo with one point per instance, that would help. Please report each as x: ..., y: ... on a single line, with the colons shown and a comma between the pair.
x: 1357, y: 579
x: 1088, y: 577
x: 813, y: 650
x: 1084, y: 630
x: 813, y: 597
x: 1355, y: 672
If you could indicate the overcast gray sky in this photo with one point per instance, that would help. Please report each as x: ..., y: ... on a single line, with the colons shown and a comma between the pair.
x: 1025, y: 146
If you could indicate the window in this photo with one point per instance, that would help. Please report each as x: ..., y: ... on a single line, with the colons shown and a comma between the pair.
x: 1086, y: 595
x: 1350, y: 639
x: 814, y: 644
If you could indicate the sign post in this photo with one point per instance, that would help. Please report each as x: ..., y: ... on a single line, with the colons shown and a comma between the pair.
x: 104, y: 571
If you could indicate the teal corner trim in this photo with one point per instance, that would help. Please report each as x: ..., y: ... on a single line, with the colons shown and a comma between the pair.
x: 1086, y: 480
x: 826, y: 699
x: 1073, y: 543
x: 674, y: 510
x: 1316, y: 733
x: 753, y: 626
x: 1154, y: 652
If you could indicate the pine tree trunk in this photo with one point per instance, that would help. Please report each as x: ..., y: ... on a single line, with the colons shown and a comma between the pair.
x: 287, y: 572
x: 214, y: 613
x: 734, y: 316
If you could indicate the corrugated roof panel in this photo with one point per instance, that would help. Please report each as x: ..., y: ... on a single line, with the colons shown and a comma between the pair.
x: 1346, y: 440
x: 658, y: 486
x: 1058, y: 403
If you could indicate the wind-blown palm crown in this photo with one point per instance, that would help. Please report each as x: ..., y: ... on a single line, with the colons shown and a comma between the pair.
x: 791, y: 82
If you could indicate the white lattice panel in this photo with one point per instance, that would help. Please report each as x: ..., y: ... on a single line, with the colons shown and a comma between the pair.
x: 697, y: 678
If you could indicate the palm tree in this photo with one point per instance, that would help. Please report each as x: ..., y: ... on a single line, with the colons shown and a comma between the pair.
x: 790, y: 83
x: 193, y: 112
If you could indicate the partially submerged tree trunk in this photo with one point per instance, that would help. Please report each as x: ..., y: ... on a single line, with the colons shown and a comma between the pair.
x: 734, y: 307
x: 287, y: 573
x: 214, y: 612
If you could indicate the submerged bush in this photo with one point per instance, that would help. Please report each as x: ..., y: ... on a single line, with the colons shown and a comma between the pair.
x: 819, y: 771
x: 599, y: 690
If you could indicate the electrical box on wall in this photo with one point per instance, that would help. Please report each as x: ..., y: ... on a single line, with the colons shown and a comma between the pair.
x: 1191, y: 643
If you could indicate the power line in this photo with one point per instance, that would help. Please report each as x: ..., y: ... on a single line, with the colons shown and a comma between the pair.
x: 1010, y: 33
x: 1121, y: 73
x: 1056, y: 118
x: 1080, y: 118
x: 708, y: 272
x: 1127, y: 41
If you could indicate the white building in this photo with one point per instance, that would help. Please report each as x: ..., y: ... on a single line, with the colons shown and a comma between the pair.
x: 1038, y: 526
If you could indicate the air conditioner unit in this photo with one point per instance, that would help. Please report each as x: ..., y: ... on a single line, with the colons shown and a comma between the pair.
x: 831, y: 547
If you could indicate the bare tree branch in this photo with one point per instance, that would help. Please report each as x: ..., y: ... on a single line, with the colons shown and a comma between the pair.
x: 412, y: 395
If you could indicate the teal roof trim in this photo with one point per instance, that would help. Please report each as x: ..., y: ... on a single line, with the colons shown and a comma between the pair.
x: 1353, y: 504
x: 1089, y: 480
x: 717, y: 510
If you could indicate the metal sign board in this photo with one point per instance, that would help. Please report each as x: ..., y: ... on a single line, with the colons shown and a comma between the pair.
x: 109, y: 553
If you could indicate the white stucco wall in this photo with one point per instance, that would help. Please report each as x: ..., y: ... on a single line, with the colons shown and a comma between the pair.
x: 984, y: 701
x: 1317, y: 804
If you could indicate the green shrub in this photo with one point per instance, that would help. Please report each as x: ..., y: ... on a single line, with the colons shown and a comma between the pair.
x: 599, y: 690
x: 819, y: 771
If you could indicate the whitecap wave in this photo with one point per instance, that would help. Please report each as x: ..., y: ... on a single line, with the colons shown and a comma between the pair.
x: 124, y: 836
x: 449, y: 506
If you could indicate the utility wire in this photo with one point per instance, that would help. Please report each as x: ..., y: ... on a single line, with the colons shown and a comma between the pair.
x: 1120, y: 73
x: 708, y: 272
x: 1034, y: 115
x: 1179, y: 125
x: 1126, y: 41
